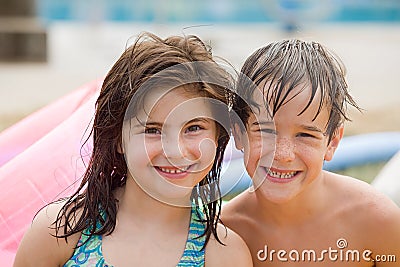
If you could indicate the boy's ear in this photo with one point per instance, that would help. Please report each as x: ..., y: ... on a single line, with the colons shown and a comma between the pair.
x: 334, y: 143
x: 238, y: 136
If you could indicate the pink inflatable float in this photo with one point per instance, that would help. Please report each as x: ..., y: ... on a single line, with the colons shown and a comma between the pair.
x: 27, y: 180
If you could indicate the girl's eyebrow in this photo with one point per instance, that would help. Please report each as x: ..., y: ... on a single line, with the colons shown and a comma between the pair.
x: 160, y: 125
x: 147, y: 124
x: 199, y: 119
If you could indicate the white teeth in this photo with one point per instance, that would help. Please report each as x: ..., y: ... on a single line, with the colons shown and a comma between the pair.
x: 174, y: 171
x: 281, y: 175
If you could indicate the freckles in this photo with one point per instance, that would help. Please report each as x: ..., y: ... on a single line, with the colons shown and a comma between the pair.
x: 312, y: 154
x: 285, y: 143
x: 285, y: 146
x: 306, y: 153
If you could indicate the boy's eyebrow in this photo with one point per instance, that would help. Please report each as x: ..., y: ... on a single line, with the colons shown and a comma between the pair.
x: 153, y: 123
x: 311, y: 128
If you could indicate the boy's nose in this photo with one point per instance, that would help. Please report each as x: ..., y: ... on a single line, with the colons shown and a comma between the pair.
x: 284, y: 150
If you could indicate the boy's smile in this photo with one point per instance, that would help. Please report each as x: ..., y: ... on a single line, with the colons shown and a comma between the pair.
x: 280, y: 176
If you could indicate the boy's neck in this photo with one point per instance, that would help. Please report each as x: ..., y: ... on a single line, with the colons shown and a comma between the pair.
x: 301, y: 209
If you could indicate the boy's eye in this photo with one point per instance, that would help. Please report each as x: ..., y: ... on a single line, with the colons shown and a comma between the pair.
x: 267, y: 131
x: 307, y: 135
x: 152, y: 131
x: 194, y: 128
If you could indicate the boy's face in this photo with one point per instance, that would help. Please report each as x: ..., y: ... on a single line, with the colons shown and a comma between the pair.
x: 286, y: 154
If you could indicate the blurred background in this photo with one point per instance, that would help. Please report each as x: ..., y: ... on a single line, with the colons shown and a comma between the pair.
x: 50, y: 48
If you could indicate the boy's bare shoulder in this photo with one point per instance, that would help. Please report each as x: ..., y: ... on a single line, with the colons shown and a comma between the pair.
x: 239, y: 204
x: 368, y: 208
x: 52, y: 251
x: 359, y: 195
x: 375, y: 219
x: 242, y: 215
x: 233, y: 251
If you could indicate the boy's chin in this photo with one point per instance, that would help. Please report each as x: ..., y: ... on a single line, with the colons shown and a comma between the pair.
x: 274, y: 195
x: 277, y: 197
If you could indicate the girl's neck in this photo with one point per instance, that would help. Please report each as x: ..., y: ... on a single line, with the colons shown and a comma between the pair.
x: 139, y: 206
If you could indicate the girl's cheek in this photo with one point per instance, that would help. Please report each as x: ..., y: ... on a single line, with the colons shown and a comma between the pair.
x: 151, y: 149
x: 207, y: 148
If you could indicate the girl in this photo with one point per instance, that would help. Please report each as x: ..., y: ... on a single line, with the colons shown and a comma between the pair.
x: 150, y: 194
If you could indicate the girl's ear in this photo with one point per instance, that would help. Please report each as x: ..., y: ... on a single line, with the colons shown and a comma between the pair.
x: 238, y: 136
x: 120, y: 150
x: 334, y: 143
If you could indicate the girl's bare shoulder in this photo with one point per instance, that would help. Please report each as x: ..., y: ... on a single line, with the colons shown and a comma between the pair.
x: 39, y: 246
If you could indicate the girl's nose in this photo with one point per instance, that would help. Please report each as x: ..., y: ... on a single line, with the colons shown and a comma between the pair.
x: 284, y: 150
x: 173, y: 147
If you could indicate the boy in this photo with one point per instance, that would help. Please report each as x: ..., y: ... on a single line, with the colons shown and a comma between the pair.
x: 291, y: 111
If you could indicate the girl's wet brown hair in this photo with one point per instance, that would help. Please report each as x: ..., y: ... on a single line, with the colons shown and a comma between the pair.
x: 287, y: 64
x: 149, y: 61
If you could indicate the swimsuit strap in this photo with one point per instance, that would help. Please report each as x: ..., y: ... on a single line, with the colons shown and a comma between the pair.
x: 89, y: 251
x: 194, y: 252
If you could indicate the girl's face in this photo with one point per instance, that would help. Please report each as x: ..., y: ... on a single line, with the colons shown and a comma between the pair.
x: 170, y: 146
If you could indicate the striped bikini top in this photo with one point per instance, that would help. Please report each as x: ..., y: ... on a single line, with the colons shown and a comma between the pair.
x: 89, y: 250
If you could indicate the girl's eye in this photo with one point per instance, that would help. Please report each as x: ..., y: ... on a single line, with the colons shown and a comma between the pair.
x: 194, y: 128
x: 152, y: 131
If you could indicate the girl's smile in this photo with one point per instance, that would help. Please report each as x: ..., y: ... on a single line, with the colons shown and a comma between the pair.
x: 172, y: 172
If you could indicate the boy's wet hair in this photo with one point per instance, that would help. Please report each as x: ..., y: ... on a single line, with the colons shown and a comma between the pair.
x: 281, y: 66
x: 128, y: 79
